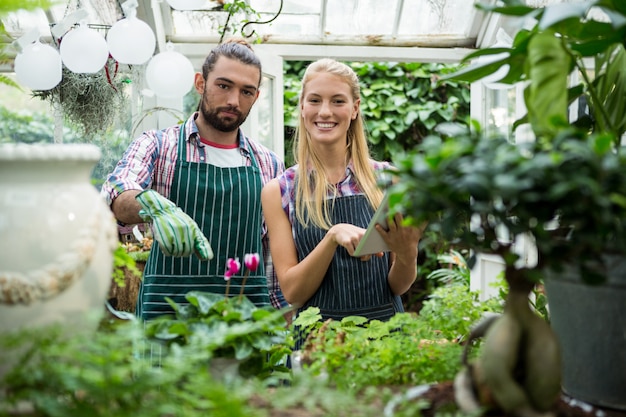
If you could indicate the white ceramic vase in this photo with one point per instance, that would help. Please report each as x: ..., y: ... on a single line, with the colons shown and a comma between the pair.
x: 57, y: 237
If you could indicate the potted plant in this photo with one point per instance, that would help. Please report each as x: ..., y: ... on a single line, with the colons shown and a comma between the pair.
x: 129, y: 262
x: 236, y: 335
x: 565, y: 191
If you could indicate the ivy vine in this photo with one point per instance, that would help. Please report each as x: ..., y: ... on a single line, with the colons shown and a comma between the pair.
x: 401, y: 103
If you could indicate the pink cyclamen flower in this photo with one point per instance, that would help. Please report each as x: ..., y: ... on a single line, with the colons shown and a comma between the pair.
x: 232, y: 267
x: 251, y: 261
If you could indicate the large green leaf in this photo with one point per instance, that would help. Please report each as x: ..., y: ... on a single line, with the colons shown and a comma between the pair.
x: 549, y: 67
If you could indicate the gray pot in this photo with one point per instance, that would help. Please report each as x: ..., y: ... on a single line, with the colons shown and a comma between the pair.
x: 590, y: 323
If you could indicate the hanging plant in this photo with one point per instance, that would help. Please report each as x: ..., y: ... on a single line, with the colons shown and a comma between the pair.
x: 91, y: 102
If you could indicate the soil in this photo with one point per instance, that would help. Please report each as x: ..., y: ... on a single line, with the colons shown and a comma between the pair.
x: 441, y: 398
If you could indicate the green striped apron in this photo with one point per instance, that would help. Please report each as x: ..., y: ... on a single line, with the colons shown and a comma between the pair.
x: 226, y: 204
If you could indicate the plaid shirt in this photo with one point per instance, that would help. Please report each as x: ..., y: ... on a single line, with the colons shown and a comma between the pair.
x: 150, y: 160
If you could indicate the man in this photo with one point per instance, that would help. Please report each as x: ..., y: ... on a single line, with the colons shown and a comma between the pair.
x: 199, y: 185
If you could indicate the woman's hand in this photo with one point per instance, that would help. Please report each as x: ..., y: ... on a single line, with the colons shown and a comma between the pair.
x: 402, y: 240
x: 346, y: 235
x: 349, y: 236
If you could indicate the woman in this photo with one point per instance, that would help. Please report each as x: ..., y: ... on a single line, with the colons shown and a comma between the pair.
x: 317, y: 210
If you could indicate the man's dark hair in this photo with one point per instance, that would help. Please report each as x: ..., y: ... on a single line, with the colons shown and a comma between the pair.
x: 236, y: 48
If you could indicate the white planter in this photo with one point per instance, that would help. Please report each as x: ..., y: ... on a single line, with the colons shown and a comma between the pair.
x: 57, y: 237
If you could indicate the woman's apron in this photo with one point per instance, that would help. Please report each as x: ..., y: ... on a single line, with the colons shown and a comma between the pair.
x: 226, y: 204
x: 350, y: 287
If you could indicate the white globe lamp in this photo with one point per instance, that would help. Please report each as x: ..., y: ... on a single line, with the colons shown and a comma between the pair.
x: 83, y: 50
x: 131, y: 41
x: 38, y: 66
x: 170, y: 74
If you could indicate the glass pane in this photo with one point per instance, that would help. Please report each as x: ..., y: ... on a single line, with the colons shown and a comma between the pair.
x: 265, y: 133
x: 296, y: 19
x: 22, y: 22
x: 436, y: 17
x: 500, y: 111
x: 289, y: 6
x: 188, y: 23
x: 103, y: 14
x: 290, y: 26
x: 21, y: 100
x: 351, y: 21
x: 362, y: 17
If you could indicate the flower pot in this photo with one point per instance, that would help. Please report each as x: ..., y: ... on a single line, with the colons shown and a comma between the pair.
x: 590, y: 322
x: 125, y: 298
x: 58, y: 237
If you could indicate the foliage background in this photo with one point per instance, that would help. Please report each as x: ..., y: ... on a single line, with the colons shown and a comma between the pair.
x: 401, y: 103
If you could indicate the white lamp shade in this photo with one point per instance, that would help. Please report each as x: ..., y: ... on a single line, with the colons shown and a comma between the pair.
x: 83, y: 50
x: 39, y: 67
x: 131, y: 41
x: 170, y: 74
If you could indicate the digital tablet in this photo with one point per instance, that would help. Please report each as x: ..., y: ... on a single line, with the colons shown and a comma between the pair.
x: 372, y: 241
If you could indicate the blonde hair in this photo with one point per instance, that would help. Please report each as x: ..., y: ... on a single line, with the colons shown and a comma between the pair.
x: 312, y: 183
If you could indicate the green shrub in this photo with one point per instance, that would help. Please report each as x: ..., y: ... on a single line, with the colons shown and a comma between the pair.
x: 452, y: 310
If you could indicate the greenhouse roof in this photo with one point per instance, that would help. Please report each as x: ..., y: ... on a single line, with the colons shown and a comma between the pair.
x: 433, y: 25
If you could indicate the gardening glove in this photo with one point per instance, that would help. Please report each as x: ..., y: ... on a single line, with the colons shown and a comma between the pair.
x: 177, y: 233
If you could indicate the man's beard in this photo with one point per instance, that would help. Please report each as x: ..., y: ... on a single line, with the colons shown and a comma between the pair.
x: 212, y: 117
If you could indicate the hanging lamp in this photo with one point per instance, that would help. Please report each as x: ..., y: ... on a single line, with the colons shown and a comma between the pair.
x: 131, y: 40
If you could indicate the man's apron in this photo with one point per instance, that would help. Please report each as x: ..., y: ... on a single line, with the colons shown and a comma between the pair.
x: 350, y: 287
x: 226, y: 204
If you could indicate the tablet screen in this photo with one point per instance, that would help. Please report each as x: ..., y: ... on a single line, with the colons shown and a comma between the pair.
x: 372, y: 241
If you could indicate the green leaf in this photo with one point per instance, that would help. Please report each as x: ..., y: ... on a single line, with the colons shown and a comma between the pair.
x: 308, y: 317
x: 410, y: 117
x: 513, y: 8
x: 546, y: 99
x: 203, y: 301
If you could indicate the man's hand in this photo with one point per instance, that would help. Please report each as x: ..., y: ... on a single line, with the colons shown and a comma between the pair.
x: 177, y: 233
